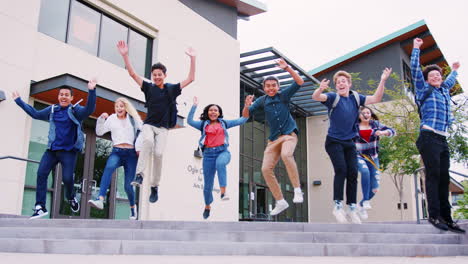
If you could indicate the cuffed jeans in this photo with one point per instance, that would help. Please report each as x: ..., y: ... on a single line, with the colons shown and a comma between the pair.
x: 154, y: 140
x: 436, y: 158
x: 282, y: 147
x: 48, y: 162
x: 370, y: 177
x: 214, y: 160
x: 120, y: 157
x: 343, y: 157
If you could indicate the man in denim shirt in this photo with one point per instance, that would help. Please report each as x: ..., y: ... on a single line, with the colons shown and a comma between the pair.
x: 283, y: 134
x: 66, y: 139
x: 432, y: 141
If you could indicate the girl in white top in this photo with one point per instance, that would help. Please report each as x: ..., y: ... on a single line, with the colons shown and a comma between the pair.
x: 123, y: 126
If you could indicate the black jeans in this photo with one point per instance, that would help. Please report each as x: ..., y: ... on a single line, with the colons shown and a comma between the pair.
x: 436, y: 157
x: 343, y: 157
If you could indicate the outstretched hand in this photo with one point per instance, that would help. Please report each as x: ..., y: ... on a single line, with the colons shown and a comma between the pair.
x: 248, y: 100
x: 282, y: 64
x: 92, y: 84
x: 385, y: 74
x: 191, y: 52
x: 104, y: 115
x: 455, y: 66
x: 15, y: 95
x: 122, y: 48
x: 417, y: 43
x: 195, y: 101
x: 324, y: 84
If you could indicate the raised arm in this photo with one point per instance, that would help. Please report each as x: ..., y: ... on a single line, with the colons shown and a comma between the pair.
x: 383, y: 130
x: 190, y: 121
x: 248, y: 103
x: 123, y: 50
x: 283, y: 65
x: 191, y: 76
x: 102, y: 124
x: 416, y: 73
x: 318, y: 93
x: 451, y: 79
x: 31, y: 111
x: 377, y: 96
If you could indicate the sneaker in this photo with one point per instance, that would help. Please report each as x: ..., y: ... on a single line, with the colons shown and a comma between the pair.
x: 224, y: 197
x: 98, y: 203
x: 366, y: 205
x: 39, y: 212
x: 74, y: 205
x: 438, y: 223
x: 362, y: 212
x: 298, y: 197
x: 133, y: 213
x: 138, y: 180
x: 339, y: 213
x: 281, y: 205
x: 452, y: 226
x: 206, y: 213
x: 353, y: 214
x: 154, y: 194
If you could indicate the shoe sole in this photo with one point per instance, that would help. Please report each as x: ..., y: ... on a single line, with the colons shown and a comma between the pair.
x: 95, y: 206
x: 279, y: 211
x: 225, y: 199
x: 136, y: 184
x: 342, y: 219
x: 301, y: 201
x: 39, y: 216
x: 455, y: 231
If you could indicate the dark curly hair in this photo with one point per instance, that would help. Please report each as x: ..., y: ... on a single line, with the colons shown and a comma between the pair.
x: 429, y: 68
x: 159, y: 66
x: 204, y: 115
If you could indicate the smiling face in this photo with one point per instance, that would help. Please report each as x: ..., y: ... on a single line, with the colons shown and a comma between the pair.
x: 213, y: 113
x: 271, y: 87
x: 65, y: 97
x: 434, y: 78
x: 365, y: 115
x: 120, y: 109
x: 342, y: 85
x: 158, y: 76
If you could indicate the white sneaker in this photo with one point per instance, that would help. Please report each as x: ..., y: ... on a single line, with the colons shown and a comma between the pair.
x: 340, y: 214
x: 366, y: 205
x: 224, y: 197
x: 298, y: 197
x: 281, y: 205
x: 353, y: 215
x: 133, y: 213
x: 362, y: 213
x: 98, y: 203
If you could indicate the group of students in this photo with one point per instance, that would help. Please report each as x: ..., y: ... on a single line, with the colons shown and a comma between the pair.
x: 351, y: 143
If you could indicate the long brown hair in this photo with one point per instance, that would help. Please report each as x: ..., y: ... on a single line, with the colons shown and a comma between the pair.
x: 373, y: 115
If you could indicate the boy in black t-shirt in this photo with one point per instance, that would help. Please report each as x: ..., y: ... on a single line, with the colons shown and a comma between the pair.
x: 160, y: 101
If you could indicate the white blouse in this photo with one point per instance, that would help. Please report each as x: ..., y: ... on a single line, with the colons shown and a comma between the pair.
x: 121, y: 129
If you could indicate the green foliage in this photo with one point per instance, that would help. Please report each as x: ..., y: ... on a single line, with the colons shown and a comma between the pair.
x: 462, y: 212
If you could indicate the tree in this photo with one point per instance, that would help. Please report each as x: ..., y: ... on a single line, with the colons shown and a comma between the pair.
x: 462, y: 212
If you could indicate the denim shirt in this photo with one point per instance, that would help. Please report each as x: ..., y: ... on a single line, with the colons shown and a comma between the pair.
x: 76, y: 113
x: 226, y: 124
x: 435, y: 111
x: 277, y: 113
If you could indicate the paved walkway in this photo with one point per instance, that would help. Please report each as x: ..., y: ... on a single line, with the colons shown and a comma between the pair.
x: 19, y: 258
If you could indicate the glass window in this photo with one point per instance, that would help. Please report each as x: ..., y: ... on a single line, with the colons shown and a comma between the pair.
x: 53, y: 18
x: 138, y: 46
x: 111, y: 33
x: 84, y: 27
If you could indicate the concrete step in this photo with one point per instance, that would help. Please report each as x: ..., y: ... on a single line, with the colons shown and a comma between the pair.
x: 225, y: 236
x: 132, y: 247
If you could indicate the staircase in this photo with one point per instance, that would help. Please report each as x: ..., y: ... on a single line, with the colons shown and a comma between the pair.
x: 66, y: 236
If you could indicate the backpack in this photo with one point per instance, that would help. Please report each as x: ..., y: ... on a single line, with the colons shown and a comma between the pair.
x: 337, y: 99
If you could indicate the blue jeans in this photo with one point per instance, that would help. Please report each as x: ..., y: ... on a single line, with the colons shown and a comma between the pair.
x: 120, y: 157
x: 214, y: 159
x: 370, y: 177
x: 48, y: 162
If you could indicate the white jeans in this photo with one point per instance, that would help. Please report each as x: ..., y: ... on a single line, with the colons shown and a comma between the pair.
x: 154, y: 140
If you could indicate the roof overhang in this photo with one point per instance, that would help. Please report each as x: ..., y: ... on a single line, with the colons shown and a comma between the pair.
x: 258, y: 64
x: 246, y: 7
x: 456, y: 187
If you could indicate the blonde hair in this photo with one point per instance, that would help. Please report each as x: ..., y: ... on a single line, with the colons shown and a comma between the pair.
x: 341, y: 73
x: 129, y: 108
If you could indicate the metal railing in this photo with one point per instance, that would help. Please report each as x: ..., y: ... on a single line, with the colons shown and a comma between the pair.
x: 18, y: 158
x: 417, y: 191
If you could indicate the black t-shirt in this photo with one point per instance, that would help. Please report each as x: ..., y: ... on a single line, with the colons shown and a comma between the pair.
x: 158, y: 102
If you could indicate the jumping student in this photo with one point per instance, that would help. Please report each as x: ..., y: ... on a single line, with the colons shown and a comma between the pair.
x: 367, y: 145
x: 65, y: 141
x: 343, y: 115
x: 214, y: 142
x: 124, y: 126
x: 162, y: 115
x: 433, y: 99
x: 283, y: 134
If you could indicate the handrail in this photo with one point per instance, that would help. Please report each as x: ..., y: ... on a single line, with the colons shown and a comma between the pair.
x: 417, y: 191
x: 18, y: 158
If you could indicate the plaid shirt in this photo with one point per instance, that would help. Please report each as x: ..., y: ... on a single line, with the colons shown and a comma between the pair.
x: 371, y: 147
x: 435, y: 111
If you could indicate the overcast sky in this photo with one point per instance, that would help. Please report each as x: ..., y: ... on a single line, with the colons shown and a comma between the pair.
x: 314, y: 32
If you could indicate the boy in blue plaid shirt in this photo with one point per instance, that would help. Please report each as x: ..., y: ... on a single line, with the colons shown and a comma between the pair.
x: 432, y: 142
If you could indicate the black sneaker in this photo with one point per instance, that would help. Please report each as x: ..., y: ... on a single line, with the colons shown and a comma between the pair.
x: 206, y: 213
x: 452, y: 226
x: 438, y: 223
x: 154, y: 194
x: 39, y: 211
x: 74, y: 205
x: 138, y: 180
